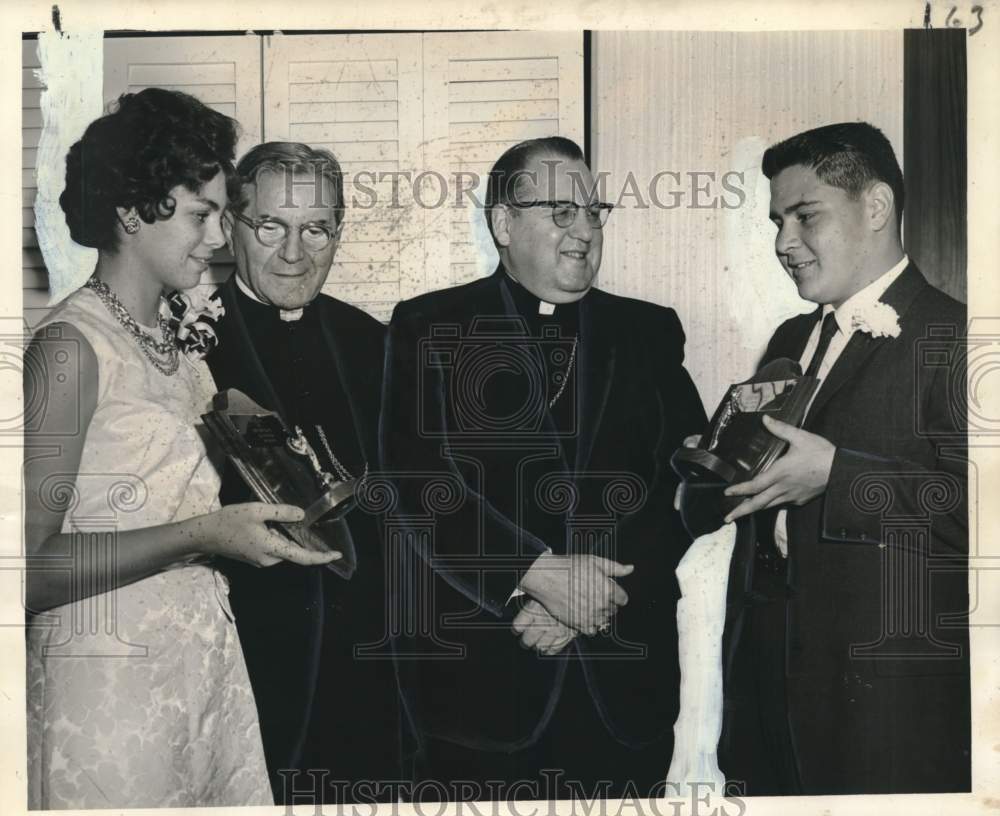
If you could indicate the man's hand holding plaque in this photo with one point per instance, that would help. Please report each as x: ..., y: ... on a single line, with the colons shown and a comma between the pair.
x: 801, y: 474
x: 738, y: 446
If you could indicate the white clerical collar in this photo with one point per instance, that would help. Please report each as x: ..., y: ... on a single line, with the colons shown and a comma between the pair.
x: 288, y: 315
x: 863, y: 298
x: 544, y: 307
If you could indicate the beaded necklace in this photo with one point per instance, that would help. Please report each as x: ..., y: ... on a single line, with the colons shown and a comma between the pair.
x: 163, y: 354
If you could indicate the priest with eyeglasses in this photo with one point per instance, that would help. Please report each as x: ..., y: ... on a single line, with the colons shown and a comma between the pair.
x: 329, y: 719
x: 544, y: 643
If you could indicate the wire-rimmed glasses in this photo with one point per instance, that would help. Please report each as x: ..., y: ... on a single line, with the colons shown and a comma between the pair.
x: 271, y: 232
x: 564, y: 212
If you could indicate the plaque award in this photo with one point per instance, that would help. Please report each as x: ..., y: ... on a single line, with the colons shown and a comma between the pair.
x: 736, y: 446
x: 280, y: 467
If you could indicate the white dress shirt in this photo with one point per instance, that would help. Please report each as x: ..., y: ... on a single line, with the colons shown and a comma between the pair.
x: 857, y: 302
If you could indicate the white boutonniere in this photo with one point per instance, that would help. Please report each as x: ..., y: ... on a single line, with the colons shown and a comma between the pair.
x: 877, y: 319
x: 193, y: 318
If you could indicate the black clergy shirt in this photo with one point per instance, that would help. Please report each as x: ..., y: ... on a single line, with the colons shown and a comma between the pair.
x: 305, y: 379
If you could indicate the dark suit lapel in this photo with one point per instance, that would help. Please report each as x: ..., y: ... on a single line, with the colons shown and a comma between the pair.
x: 595, y: 363
x: 347, y: 376
x: 596, y: 354
x: 862, y: 345
x: 858, y: 349
x: 793, y: 341
x: 235, y: 360
x: 495, y: 293
x: 508, y: 308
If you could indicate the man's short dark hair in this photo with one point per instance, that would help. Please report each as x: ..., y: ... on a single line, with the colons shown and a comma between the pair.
x: 508, y: 173
x: 293, y: 157
x: 848, y: 155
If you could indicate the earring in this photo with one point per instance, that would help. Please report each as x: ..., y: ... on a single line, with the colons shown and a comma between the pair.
x: 131, y: 224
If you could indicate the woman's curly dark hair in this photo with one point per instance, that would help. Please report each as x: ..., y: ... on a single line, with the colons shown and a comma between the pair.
x: 151, y: 142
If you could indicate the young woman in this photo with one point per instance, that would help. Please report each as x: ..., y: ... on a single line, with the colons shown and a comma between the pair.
x: 138, y: 695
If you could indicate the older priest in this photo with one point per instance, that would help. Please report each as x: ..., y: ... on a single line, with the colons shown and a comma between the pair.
x: 317, y: 362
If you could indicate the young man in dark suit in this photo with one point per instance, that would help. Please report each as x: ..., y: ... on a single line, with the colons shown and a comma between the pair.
x: 528, y: 423
x: 328, y: 701
x: 852, y: 669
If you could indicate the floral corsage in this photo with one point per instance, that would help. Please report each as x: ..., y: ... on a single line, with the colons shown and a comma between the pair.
x: 193, y: 318
x: 877, y: 319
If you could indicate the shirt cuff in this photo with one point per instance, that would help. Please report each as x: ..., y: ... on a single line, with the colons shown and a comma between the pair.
x: 518, y: 592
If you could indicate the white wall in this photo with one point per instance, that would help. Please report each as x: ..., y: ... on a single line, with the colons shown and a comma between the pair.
x: 713, y: 102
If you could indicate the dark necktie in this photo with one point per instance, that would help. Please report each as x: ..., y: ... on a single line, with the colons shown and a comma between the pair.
x: 825, y: 336
x: 767, y: 549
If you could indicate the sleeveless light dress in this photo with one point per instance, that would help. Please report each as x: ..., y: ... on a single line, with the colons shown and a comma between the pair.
x: 139, y: 696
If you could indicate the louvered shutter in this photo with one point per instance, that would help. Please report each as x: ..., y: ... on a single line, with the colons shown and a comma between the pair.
x: 35, y: 281
x: 394, y: 108
x: 360, y: 97
x: 223, y: 72
x: 483, y: 93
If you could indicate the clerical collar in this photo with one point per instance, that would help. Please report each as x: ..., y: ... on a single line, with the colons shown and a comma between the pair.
x: 288, y: 315
x: 532, y: 306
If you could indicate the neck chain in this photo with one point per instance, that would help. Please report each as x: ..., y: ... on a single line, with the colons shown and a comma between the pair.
x: 342, y: 472
x: 163, y: 354
x: 569, y: 370
x: 301, y: 445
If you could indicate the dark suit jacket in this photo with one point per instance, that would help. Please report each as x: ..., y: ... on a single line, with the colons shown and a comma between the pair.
x: 876, y: 640
x: 298, y: 625
x: 513, y: 495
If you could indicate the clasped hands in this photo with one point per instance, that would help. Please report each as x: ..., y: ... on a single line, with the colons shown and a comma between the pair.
x: 578, y: 594
x: 569, y: 595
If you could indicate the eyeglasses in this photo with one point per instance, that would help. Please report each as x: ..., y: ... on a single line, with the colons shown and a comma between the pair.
x: 564, y: 212
x: 271, y: 232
